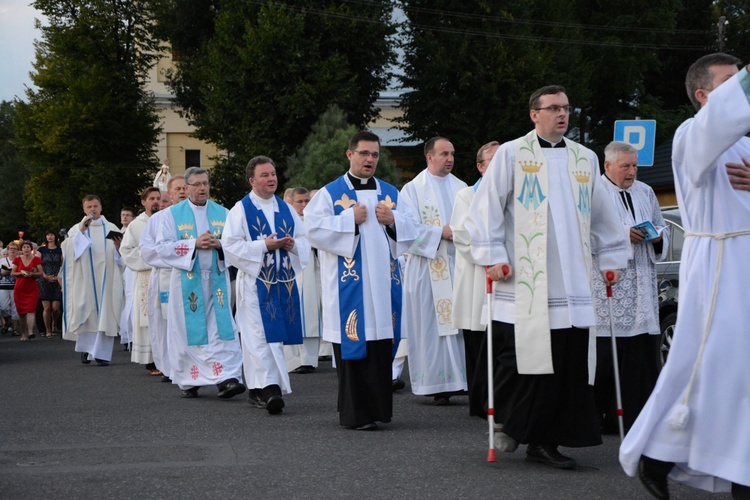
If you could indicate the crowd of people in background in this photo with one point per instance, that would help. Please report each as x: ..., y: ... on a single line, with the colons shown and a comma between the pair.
x: 370, y: 276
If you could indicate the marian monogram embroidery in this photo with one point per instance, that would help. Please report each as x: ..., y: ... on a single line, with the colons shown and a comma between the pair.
x: 444, y: 310
x: 439, y: 269
x: 350, y: 271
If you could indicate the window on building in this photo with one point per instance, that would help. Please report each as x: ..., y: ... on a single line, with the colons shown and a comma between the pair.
x: 192, y: 158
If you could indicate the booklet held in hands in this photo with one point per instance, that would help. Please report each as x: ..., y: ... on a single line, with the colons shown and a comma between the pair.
x: 648, y: 230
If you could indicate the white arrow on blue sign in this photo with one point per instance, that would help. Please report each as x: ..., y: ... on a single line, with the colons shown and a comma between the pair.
x: 641, y: 134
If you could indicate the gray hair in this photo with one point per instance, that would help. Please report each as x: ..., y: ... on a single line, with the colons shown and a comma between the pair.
x: 615, y: 148
x: 194, y: 171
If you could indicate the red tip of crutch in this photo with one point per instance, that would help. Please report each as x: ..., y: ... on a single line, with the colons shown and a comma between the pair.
x: 506, y: 270
x: 619, y: 412
x: 491, y: 455
x: 490, y: 412
x: 610, y: 276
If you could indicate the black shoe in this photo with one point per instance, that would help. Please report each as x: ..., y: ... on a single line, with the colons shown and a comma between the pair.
x: 441, y: 401
x: 190, y: 393
x: 230, y: 389
x: 85, y: 358
x: 398, y: 384
x: 274, y: 405
x: 164, y: 378
x: 653, y: 475
x: 548, y: 455
x: 255, y: 401
x: 101, y: 362
x: 304, y: 369
x: 125, y: 348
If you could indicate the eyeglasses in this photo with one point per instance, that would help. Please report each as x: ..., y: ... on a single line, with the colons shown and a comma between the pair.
x: 556, y: 109
x: 199, y: 184
x: 365, y: 154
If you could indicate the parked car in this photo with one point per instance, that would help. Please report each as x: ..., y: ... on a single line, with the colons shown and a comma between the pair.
x: 668, y: 274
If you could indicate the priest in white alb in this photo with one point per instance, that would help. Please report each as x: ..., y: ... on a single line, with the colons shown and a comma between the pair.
x: 158, y: 286
x: 695, y: 427
x: 539, y: 214
x: 265, y: 240
x: 203, y: 345
x: 360, y: 228
x: 140, y: 350
x: 635, y: 299
x: 437, y: 364
x: 92, y: 284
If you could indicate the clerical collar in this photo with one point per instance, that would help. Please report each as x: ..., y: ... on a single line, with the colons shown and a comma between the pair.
x: 362, y: 184
x: 615, y: 185
x: 546, y: 144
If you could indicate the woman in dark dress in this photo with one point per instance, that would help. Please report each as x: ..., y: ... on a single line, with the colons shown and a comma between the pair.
x: 26, y: 269
x: 49, y: 288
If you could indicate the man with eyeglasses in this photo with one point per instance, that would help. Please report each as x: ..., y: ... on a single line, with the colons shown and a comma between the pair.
x: 158, y: 286
x: 536, y: 218
x: 360, y: 227
x: 265, y: 240
x: 437, y: 367
x: 635, y: 298
x: 203, y: 344
x: 695, y: 427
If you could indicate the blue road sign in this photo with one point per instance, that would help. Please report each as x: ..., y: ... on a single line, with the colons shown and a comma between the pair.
x: 641, y: 134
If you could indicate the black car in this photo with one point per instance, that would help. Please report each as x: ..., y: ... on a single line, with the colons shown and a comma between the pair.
x: 668, y: 275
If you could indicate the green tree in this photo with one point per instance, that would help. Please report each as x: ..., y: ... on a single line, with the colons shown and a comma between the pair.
x: 256, y: 75
x: 322, y: 157
x: 13, y: 178
x: 90, y: 127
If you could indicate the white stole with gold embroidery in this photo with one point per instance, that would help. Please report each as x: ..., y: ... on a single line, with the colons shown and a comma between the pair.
x: 440, y: 272
x: 531, y: 188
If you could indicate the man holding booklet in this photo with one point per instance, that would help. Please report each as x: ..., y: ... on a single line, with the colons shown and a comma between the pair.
x: 635, y: 306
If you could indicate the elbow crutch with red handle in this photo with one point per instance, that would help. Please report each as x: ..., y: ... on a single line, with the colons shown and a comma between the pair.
x: 490, y: 369
x: 610, y: 276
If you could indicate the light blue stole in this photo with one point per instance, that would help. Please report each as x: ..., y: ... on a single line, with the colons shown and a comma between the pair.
x: 351, y: 301
x: 193, y: 301
x: 278, y: 296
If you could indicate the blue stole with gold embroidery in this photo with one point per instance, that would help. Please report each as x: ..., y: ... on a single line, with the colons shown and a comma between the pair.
x: 351, y: 301
x: 278, y: 296
x: 196, y: 321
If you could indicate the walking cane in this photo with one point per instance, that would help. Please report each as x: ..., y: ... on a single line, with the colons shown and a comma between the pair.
x: 490, y: 370
x: 610, y: 277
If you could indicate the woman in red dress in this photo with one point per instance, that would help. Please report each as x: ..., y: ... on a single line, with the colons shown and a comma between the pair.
x: 26, y: 268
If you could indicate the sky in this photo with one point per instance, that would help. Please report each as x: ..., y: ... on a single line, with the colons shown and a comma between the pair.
x: 17, y: 36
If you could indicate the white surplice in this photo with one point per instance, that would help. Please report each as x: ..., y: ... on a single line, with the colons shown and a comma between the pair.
x: 335, y: 235
x: 714, y: 449
x: 126, y: 321
x: 469, y: 285
x: 635, y: 298
x: 140, y: 351
x: 264, y: 361
x: 437, y: 363
x: 92, y: 289
x: 218, y: 360
x: 158, y: 284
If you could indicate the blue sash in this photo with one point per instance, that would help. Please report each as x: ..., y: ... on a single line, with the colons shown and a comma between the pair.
x: 193, y: 301
x: 351, y: 302
x: 278, y: 296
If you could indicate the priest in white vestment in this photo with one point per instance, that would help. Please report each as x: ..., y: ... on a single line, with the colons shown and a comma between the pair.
x: 360, y: 228
x: 696, y: 424
x: 470, y: 293
x: 303, y: 358
x: 539, y: 214
x: 635, y: 299
x: 140, y: 350
x: 265, y: 240
x: 127, y: 214
x: 203, y: 344
x: 158, y: 286
x: 92, y: 284
x: 437, y: 365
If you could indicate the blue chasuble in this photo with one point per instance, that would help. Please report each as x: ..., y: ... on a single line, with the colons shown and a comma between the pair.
x: 194, y: 308
x: 278, y: 296
x: 351, y: 301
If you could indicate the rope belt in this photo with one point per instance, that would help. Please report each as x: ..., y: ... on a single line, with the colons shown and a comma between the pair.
x: 680, y: 418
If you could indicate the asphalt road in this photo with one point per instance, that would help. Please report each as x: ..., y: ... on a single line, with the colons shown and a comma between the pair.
x: 69, y: 430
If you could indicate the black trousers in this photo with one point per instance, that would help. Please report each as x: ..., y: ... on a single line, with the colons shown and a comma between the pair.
x: 554, y: 409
